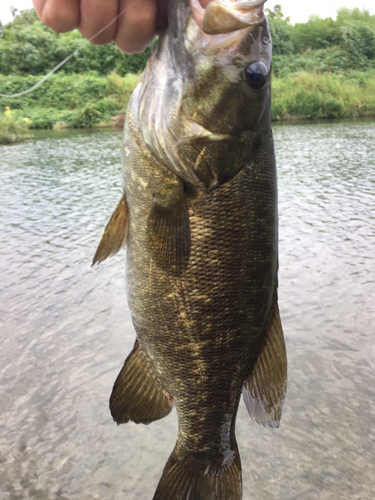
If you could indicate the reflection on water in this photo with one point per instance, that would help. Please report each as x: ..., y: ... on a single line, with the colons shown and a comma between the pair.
x: 66, y: 329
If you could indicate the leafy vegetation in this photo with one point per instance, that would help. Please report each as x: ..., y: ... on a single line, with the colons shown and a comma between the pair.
x: 12, y: 129
x: 323, y: 95
x: 76, y: 100
x: 324, y: 68
x: 28, y: 47
x: 325, y: 45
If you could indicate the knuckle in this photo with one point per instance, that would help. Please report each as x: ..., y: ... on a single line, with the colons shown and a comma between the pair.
x: 143, y: 18
x: 133, y: 47
x: 60, y: 21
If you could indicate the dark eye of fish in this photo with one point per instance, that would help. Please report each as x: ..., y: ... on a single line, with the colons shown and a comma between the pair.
x: 256, y: 75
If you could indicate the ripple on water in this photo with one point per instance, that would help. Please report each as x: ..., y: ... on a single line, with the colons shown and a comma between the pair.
x: 66, y: 328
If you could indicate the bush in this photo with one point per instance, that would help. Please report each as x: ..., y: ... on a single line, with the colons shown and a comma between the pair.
x: 359, y: 42
x: 12, y: 129
x: 317, y: 33
x: 43, y: 118
x: 121, y: 88
x: 281, y: 31
x: 77, y: 100
x: 59, y: 91
x: 323, y: 95
x: 321, y: 69
x: 84, y: 117
x: 332, y: 108
x: 27, y: 47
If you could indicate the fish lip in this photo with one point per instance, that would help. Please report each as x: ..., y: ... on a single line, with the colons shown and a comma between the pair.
x: 195, y: 4
x: 245, y: 4
x: 225, y: 16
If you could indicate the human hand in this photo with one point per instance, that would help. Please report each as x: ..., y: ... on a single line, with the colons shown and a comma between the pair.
x: 132, y: 31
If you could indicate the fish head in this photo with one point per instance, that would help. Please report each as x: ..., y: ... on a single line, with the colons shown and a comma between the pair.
x: 212, y: 73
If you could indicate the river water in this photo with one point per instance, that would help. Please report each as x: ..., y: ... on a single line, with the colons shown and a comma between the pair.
x: 66, y: 329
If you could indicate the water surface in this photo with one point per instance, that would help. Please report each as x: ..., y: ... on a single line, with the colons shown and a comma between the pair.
x: 66, y: 329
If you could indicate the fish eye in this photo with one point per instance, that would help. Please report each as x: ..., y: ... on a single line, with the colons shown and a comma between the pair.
x: 256, y: 75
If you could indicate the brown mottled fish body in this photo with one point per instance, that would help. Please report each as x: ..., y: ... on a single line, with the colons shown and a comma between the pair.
x: 201, y: 254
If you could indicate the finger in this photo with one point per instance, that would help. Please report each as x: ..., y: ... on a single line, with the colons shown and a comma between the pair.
x: 59, y: 15
x: 137, y: 25
x: 95, y: 15
x: 161, y: 18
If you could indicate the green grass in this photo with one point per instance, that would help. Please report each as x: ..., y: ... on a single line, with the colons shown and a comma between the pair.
x: 323, y: 95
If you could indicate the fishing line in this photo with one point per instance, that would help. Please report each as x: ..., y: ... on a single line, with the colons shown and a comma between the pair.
x: 42, y: 80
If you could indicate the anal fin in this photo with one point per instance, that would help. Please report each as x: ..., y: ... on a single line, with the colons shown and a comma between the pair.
x: 137, y: 394
x: 168, y: 228
x: 264, y: 390
x: 115, y: 234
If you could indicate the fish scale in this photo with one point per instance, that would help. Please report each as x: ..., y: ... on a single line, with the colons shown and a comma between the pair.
x: 223, y: 340
x: 201, y: 263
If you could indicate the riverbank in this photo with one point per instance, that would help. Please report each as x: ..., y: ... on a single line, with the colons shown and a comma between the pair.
x: 89, y: 100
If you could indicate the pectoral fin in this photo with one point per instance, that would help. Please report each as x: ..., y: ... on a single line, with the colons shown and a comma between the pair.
x: 264, y: 390
x: 169, y: 228
x: 115, y: 234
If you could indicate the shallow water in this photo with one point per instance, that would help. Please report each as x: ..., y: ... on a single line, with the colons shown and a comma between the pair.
x: 65, y: 327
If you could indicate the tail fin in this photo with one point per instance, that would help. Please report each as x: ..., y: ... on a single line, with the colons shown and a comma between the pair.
x: 194, y: 478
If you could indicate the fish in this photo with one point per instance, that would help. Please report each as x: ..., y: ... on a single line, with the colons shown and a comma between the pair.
x: 198, y: 217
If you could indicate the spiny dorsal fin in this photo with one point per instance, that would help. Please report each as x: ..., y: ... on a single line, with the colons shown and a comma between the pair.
x: 169, y: 228
x: 137, y: 394
x: 115, y: 234
x: 264, y: 390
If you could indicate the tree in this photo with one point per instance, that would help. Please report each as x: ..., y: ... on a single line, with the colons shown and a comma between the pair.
x: 317, y: 33
x: 357, y: 29
x: 28, y: 47
x: 281, y: 29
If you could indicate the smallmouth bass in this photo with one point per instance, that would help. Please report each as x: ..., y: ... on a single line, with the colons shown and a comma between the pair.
x: 199, y: 218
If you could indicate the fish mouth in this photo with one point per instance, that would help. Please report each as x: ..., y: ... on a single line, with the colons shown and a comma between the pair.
x: 225, y: 16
